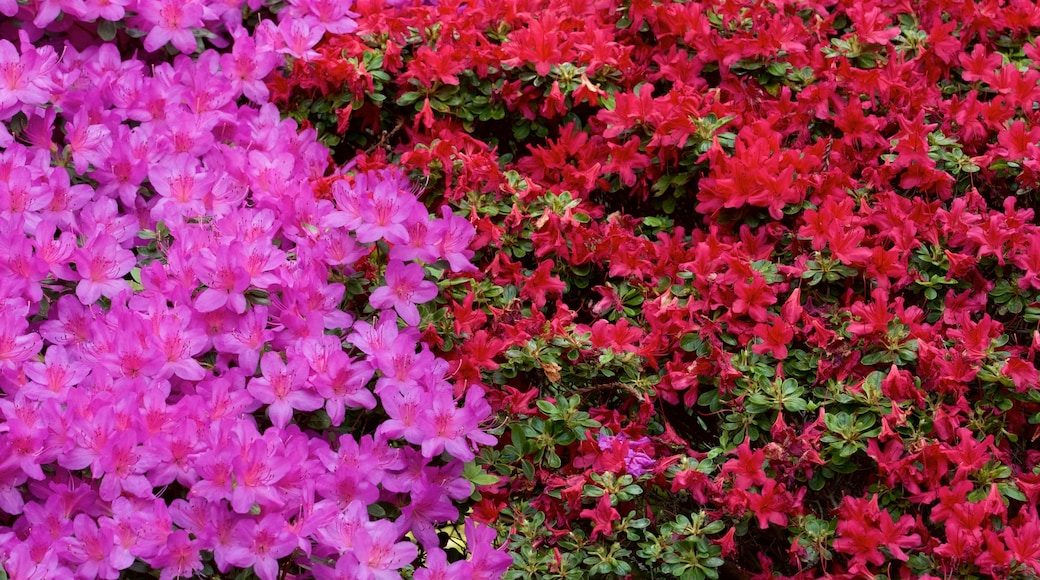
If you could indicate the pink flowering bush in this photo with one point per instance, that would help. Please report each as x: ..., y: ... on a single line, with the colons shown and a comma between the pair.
x: 204, y: 368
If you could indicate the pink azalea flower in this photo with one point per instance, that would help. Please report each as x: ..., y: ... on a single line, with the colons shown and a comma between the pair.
x: 332, y: 15
x: 180, y: 559
x: 283, y: 388
x: 404, y: 410
x: 379, y: 553
x: 429, y: 505
x: 248, y: 338
x: 257, y: 472
x: 452, y: 235
x: 299, y: 38
x: 405, y: 287
x: 170, y: 21
x: 16, y: 345
x: 24, y: 78
x: 225, y: 277
x: 260, y: 544
x: 489, y: 563
x: 373, y: 339
x: 437, y: 567
x: 384, y: 214
x: 94, y: 552
x: 101, y: 266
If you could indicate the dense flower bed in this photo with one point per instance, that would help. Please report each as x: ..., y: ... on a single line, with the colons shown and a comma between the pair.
x: 204, y: 368
x: 756, y: 288
x: 638, y: 289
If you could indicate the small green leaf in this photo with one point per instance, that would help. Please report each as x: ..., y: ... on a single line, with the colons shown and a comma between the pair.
x: 107, y: 30
x: 408, y: 98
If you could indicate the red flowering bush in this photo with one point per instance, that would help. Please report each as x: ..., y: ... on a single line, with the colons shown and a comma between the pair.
x: 757, y: 283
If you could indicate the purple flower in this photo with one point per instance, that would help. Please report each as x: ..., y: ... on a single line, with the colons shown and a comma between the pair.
x: 299, y: 37
x: 260, y: 544
x: 16, y: 345
x: 247, y: 339
x: 438, y: 568
x: 283, y: 389
x: 24, y: 78
x: 429, y: 505
x: 170, y: 21
x: 453, y: 235
x: 637, y: 462
x: 379, y: 553
x: 384, y: 215
x: 225, y: 276
x: 405, y: 287
x: 180, y: 559
x: 95, y: 552
x: 101, y: 265
x: 488, y: 562
x: 332, y: 15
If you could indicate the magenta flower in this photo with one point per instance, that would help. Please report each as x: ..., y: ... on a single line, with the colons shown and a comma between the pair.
x: 170, y: 21
x: 95, y: 552
x: 19, y: 265
x: 257, y: 471
x: 489, y: 563
x: 180, y: 559
x: 446, y: 426
x: 101, y: 265
x: 124, y: 464
x: 405, y: 287
x: 384, y: 215
x: 260, y: 544
x: 379, y: 553
x: 16, y: 345
x: 404, y: 409
x: 247, y: 339
x: 248, y: 64
x: 438, y: 568
x: 418, y: 246
x: 429, y: 505
x: 332, y: 15
x: 347, y: 485
x: 282, y: 388
x: 22, y: 195
x: 89, y: 143
x: 373, y: 339
x: 452, y: 234
x: 225, y: 277
x: 401, y: 366
x: 111, y: 10
x: 181, y: 183
x: 342, y: 385
x: 299, y: 37
x: 24, y: 78
x: 180, y: 343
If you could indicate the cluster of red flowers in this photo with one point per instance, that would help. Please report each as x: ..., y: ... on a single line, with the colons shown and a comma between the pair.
x: 805, y: 229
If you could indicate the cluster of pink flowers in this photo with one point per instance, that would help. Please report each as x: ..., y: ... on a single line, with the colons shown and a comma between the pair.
x: 180, y: 368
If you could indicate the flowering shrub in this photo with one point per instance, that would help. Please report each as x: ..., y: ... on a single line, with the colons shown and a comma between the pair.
x: 205, y: 369
x: 756, y: 289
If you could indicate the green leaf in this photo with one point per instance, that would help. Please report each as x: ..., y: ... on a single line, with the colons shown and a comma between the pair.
x: 107, y: 30
x: 690, y: 342
x: 796, y: 405
x: 528, y: 468
x: 478, y: 476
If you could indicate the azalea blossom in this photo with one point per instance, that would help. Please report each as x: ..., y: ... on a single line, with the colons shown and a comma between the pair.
x: 405, y: 287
